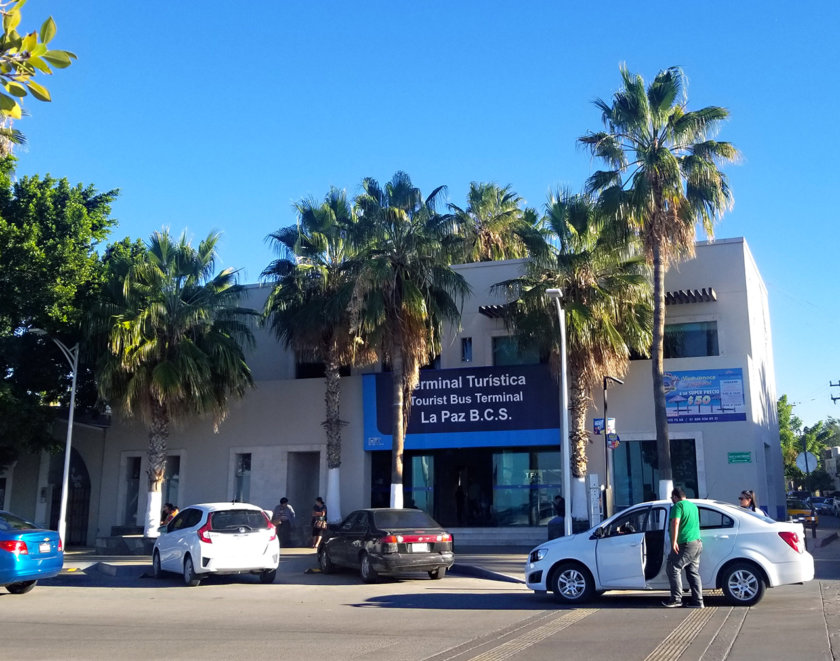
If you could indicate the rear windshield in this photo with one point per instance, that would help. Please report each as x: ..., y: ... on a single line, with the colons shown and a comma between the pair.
x: 797, y: 505
x: 12, y: 522
x: 390, y: 519
x: 234, y: 519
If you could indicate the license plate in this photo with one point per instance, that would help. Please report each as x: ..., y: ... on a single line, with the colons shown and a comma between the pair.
x: 44, y: 547
x: 418, y: 548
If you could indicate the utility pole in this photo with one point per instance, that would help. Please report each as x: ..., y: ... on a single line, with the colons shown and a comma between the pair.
x: 834, y: 385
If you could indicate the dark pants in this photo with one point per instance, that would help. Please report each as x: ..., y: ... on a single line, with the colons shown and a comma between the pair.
x: 688, y: 558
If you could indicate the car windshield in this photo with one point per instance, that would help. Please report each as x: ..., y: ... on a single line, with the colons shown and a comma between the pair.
x: 230, y: 519
x: 391, y: 519
x: 818, y: 499
x: 797, y: 505
x: 12, y: 522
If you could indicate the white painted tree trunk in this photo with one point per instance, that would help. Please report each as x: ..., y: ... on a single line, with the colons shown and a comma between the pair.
x: 334, y: 495
x: 153, y: 506
x: 665, y: 488
x: 580, y: 510
x: 397, y: 495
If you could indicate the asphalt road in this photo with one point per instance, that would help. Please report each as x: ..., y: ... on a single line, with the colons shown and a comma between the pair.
x: 93, y: 615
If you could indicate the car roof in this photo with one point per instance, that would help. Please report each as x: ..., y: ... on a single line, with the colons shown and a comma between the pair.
x: 213, y: 507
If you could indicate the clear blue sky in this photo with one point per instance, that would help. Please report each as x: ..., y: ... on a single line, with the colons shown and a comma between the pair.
x: 218, y: 116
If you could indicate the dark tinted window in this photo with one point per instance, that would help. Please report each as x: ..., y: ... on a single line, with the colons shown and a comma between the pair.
x: 12, y: 522
x: 185, y: 519
x: 355, y: 522
x: 391, y: 519
x: 710, y: 519
x: 688, y: 340
x: 234, y: 519
x: 629, y: 522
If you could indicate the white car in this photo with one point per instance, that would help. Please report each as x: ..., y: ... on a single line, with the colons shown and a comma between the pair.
x: 218, y: 538
x: 743, y: 553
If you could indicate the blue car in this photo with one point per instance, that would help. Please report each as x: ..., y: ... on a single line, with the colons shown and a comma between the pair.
x: 27, y: 553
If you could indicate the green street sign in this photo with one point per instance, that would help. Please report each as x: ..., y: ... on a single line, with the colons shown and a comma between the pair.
x: 740, y: 457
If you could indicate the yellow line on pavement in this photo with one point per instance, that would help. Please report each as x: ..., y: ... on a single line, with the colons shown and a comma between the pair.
x: 679, y: 639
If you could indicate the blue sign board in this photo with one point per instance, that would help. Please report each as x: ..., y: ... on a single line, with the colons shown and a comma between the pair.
x: 705, y: 396
x: 515, y: 405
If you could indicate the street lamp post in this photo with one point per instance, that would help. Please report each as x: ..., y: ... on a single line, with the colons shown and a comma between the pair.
x: 608, y: 453
x: 557, y: 294
x: 72, y: 356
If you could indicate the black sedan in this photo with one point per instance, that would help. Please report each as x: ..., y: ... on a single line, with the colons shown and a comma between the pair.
x: 387, y: 542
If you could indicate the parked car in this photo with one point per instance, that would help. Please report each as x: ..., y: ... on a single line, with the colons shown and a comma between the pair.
x: 28, y: 553
x: 820, y: 504
x: 801, y: 510
x: 744, y: 552
x: 218, y: 538
x: 382, y: 541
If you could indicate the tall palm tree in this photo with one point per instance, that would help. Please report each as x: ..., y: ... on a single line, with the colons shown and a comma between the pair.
x: 308, y: 306
x: 664, y: 178
x: 606, y: 298
x: 175, y: 337
x: 405, y: 289
x: 493, y: 224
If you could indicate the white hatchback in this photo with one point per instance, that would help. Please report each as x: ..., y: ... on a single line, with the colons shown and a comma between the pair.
x: 743, y: 553
x: 218, y: 538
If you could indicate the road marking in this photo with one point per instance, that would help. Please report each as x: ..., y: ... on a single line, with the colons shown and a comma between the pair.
x: 534, y: 636
x: 680, y: 638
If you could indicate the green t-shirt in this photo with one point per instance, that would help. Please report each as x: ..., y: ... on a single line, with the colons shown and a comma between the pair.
x: 689, y: 517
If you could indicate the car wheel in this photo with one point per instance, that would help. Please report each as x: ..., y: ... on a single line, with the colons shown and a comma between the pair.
x: 21, y: 588
x: 157, y: 572
x: 572, y: 584
x: 367, y: 571
x: 268, y: 576
x: 437, y: 574
x: 324, y: 562
x: 742, y: 584
x: 190, y: 577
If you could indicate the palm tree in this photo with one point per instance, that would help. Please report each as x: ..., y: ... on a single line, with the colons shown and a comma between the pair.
x: 494, y: 225
x: 664, y: 178
x: 308, y: 306
x: 175, y: 338
x: 405, y: 289
x: 606, y: 298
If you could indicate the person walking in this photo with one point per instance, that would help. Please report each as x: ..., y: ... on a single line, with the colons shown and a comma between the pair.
x: 747, y: 500
x: 283, y: 517
x: 686, y: 548
x: 319, y: 521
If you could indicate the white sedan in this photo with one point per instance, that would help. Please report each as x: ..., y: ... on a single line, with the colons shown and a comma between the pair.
x: 218, y: 538
x: 743, y: 553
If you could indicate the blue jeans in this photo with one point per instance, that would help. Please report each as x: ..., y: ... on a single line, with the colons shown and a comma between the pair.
x: 688, y: 558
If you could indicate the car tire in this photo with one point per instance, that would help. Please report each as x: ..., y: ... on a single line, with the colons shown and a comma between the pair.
x: 324, y: 562
x: 437, y: 574
x: 268, y: 576
x: 367, y: 572
x: 572, y: 583
x: 21, y: 588
x: 742, y: 584
x: 157, y: 571
x: 190, y: 577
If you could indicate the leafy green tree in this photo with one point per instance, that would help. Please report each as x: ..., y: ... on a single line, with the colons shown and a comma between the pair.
x: 405, y: 289
x: 49, y: 270
x: 175, y: 337
x: 606, y: 299
x: 663, y: 179
x: 493, y: 224
x: 22, y: 58
x: 308, y: 306
x: 789, y: 429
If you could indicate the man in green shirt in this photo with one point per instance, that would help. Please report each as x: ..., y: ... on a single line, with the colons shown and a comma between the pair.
x: 686, y: 548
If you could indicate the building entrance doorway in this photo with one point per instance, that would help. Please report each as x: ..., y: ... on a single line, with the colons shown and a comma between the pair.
x: 78, y: 497
x: 302, y: 487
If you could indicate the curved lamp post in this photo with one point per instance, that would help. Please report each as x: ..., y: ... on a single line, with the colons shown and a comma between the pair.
x: 609, y: 498
x: 556, y: 295
x: 72, y: 356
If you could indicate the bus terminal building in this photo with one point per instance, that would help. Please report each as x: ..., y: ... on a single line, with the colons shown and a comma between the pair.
x: 483, y: 451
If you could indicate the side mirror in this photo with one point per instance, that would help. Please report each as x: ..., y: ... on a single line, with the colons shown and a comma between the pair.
x: 163, y: 529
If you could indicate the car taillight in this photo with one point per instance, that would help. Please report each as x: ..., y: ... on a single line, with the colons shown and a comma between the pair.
x: 14, y: 546
x: 271, y: 528
x: 60, y: 545
x: 792, y: 539
x: 410, y: 539
x: 202, y: 533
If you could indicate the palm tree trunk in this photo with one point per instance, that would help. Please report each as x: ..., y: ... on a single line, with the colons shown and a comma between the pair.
x: 158, y: 435
x: 398, y: 423
x: 663, y: 442
x: 579, y: 439
x: 333, y: 424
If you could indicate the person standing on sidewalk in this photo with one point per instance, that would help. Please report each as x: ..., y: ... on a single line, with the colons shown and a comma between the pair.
x: 686, y: 548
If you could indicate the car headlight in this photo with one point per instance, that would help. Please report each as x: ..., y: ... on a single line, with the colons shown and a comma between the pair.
x: 538, y: 554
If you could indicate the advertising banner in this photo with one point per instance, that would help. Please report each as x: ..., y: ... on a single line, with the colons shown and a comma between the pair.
x: 705, y: 396
x: 515, y: 405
